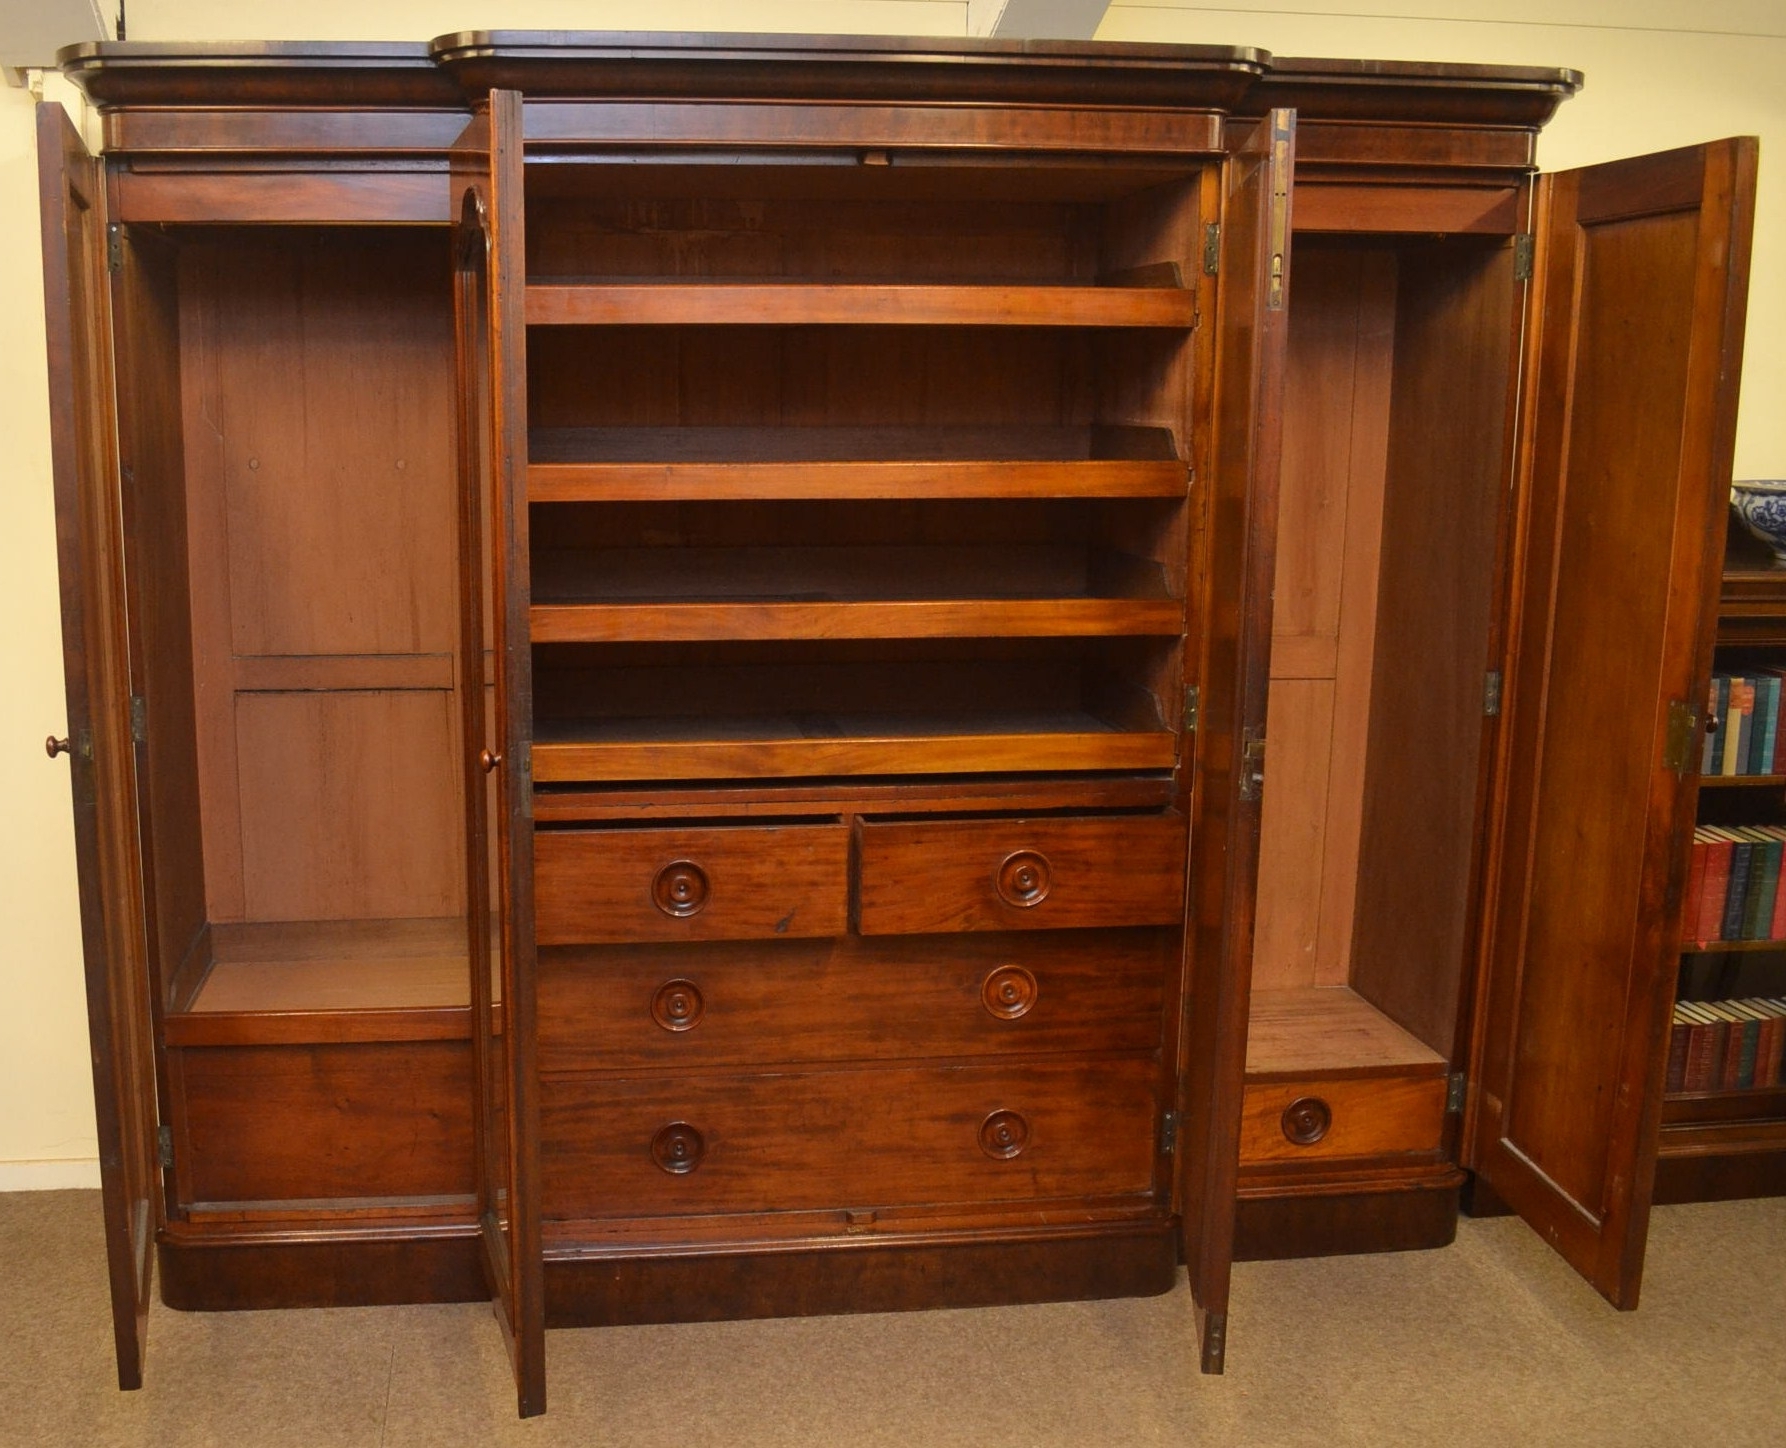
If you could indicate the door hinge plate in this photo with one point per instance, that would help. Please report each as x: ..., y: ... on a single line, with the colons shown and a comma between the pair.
x: 164, y: 1145
x: 1168, y: 1133
x: 1683, y: 733
x: 1455, y: 1090
x: 114, y: 248
x: 1525, y: 253
x: 139, y: 719
x: 1491, y: 694
x: 1252, y: 764
x: 1212, y: 249
x: 1193, y: 701
x: 1280, y: 215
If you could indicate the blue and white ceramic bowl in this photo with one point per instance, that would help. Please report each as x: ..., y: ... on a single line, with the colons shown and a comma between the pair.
x: 1761, y: 504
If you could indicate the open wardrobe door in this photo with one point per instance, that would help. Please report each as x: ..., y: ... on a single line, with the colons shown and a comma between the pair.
x: 101, y: 745
x: 489, y: 283
x: 1241, y: 513
x: 1633, y: 347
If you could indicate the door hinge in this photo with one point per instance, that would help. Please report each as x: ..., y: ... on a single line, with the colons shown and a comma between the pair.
x: 164, y: 1145
x: 1280, y: 216
x: 1212, y: 249
x: 1525, y: 252
x: 139, y: 719
x: 1454, y: 1093
x: 1491, y: 694
x: 114, y: 248
x: 1168, y: 1133
x: 1683, y: 733
x: 1252, y: 764
x: 1193, y: 701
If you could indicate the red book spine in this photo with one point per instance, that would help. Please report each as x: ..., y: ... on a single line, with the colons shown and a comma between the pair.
x: 1696, y: 888
x: 1716, y: 886
x: 1702, y: 1056
x: 1730, y: 1070
x: 1677, y: 1053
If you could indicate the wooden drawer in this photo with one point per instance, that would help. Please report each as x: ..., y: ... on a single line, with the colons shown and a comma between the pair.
x: 699, y: 882
x: 293, y: 1123
x: 1019, y: 874
x: 847, y: 1139
x: 700, y: 1007
x: 1324, y: 1118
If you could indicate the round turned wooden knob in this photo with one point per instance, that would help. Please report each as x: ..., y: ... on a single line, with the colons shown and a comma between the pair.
x: 678, y: 1005
x: 678, y: 1148
x: 1008, y: 992
x: 488, y: 761
x: 1306, y: 1120
x: 680, y: 888
x: 54, y: 746
x: 1023, y: 879
x: 1003, y: 1135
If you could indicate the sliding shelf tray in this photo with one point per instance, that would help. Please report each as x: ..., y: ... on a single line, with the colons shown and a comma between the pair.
x: 807, y: 746
x: 690, y: 622
x: 598, y: 304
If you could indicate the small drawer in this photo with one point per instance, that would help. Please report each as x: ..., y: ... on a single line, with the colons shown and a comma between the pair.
x: 808, y: 1140
x: 920, y: 876
x: 1324, y: 1118
x: 690, y: 883
x: 765, y: 1003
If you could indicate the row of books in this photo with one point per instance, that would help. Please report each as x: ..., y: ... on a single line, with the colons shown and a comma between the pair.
x: 1728, y: 1045
x: 1745, y: 737
x: 1737, y: 889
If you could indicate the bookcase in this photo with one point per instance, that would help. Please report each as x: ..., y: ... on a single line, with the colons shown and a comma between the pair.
x: 1724, y: 1120
x: 714, y: 677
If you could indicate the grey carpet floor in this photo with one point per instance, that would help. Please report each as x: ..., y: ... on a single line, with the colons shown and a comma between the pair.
x: 1491, y: 1341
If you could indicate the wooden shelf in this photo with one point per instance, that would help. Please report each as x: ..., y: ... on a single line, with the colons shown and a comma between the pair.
x: 771, y: 747
x: 1328, y: 1029
x: 330, y: 981
x: 717, y: 303
x: 1732, y: 947
x: 682, y: 622
x: 1742, y: 781
x: 1756, y: 1103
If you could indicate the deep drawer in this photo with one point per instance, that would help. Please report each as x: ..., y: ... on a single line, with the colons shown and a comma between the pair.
x: 857, y: 1139
x: 1019, y: 874
x: 622, y: 1008
x: 1323, y: 1118
x: 690, y: 883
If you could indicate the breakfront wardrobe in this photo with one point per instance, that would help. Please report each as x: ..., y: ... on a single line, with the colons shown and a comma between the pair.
x: 718, y: 676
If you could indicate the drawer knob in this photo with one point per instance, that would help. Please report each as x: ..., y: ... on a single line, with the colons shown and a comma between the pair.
x: 54, y: 746
x: 1008, y: 992
x: 678, y: 1148
x: 1023, y: 879
x: 678, y: 1005
x: 680, y: 889
x: 1306, y: 1120
x: 1003, y: 1135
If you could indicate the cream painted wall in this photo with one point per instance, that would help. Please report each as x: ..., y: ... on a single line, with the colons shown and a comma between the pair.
x: 1664, y: 74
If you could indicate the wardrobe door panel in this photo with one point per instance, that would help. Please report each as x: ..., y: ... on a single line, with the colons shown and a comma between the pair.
x: 1636, y: 326
x: 102, y: 753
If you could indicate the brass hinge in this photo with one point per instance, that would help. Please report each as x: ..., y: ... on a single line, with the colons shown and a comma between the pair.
x: 1193, y: 700
x: 114, y: 248
x: 1491, y: 694
x: 1454, y: 1093
x: 164, y: 1145
x: 1683, y: 733
x: 1168, y: 1133
x: 139, y: 719
x: 1525, y: 252
x: 524, y: 780
x: 1252, y: 764
x: 1212, y: 249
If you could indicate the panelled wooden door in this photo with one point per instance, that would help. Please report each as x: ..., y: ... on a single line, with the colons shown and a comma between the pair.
x: 101, y: 750
x: 1634, y: 342
x: 495, y: 687
x: 1241, y: 559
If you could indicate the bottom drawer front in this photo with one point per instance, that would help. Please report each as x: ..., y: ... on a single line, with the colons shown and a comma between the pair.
x: 847, y: 1139
x: 279, y: 1123
x: 1321, y: 1119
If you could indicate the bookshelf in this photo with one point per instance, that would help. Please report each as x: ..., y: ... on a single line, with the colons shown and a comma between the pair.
x: 1724, y: 1135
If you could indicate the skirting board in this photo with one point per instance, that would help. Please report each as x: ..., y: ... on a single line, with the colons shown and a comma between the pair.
x: 49, y: 1176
